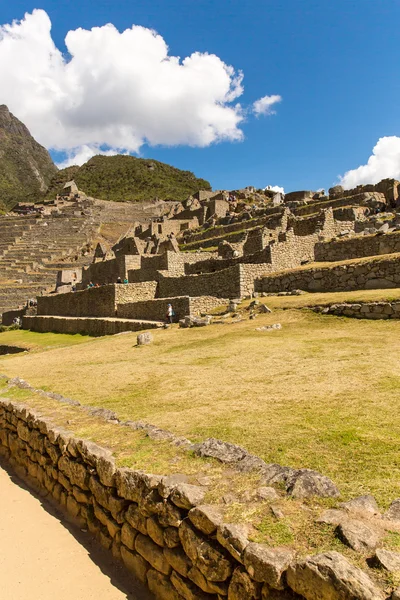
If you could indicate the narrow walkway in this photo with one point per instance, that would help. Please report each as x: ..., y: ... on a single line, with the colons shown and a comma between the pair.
x: 43, y: 557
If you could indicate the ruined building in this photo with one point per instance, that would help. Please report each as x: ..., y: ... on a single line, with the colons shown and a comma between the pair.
x: 208, y: 250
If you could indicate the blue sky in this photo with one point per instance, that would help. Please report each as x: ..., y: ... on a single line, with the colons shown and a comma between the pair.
x: 335, y: 65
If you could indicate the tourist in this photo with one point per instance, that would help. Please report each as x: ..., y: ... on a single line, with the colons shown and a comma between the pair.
x: 90, y: 284
x: 119, y: 280
x: 170, y: 314
x: 126, y: 280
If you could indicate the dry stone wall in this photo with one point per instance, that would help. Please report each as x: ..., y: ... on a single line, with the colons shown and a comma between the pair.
x: 157, y: 309
x: 109, y: 270
x: 222, y: 284
x: 376, y: 274
x: 95, y: 326
x: 362, y: 310
x: 158, y: 526
x: 95, y: 302
x: 357, y: 247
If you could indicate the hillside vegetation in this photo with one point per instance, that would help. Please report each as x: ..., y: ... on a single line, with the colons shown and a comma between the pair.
x: 25, y: 166
x: 127, y: 178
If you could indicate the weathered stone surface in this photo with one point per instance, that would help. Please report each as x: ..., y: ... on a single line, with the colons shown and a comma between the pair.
x: 152, y: 504
x: 306, y: 483
x: 191, y: 321
x: 155, y: 531
x: 332, y: 516
x: 81, y: 496
x: 170, y: 515
x: 395, y: 595
x: 128, y: 535
x: 144, y: 338
x: 106, y: 520
x: 393, y: 512
x: 133, y: 485
x: 223, y: 451
x: 388, y: 560
x: 178, y: 560
x: 187, y: 589
x: 330, y: 576
x: 152, y: 553
x: 210, y: 587
x: 186, y: 496
x: 233, y: 538
x: 75, y: 471
x: 73, y: 507
x: 206, y: 518
x: 242, y: 587
x: 136, y: 519
x: 161, y: 586
x: 211, y: 561
x: 168, y: 483
x: 135, y: 563
x: 358, y: 535
x: 100, y: 458
x: 107, y: 499
x: 266, y: 564
x: 171, y: 537
x: 361, y: 504
x: 266, y: 493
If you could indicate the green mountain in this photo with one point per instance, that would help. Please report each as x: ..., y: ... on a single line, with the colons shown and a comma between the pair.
x: 122, y: 178
x: 25, y: 166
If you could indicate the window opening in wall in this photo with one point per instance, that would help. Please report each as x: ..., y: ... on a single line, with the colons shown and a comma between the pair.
x: 160, y: 229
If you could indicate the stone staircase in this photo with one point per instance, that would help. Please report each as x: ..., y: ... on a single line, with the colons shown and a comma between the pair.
x: 33, y: 248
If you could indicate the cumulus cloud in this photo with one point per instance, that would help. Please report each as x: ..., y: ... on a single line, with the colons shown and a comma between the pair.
x: 115, y: 90
x: 383, y: 162
x: 263, y: 106
x: 275, y: 188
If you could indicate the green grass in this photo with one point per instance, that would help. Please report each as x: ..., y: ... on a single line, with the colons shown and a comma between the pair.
x: 127, y: 178
x: 35, y: 341
x: 321, y: 393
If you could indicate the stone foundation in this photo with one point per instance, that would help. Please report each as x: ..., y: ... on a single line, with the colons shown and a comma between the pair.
x: 157, y: 309
x: 362, y: 310
x: 158, y: 526
x: 374, y: 274
x: 95, y: 326
x: 95, y: 302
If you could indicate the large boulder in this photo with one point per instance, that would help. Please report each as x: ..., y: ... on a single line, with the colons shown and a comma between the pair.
x: 330, y: 576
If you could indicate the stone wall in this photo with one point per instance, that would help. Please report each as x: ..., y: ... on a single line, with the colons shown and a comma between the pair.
x: 376, y: 274
x: 95, y: 326
x: 362, y: 310
x: 222, y: 284
x: 95, y: 302
x: 154, y: 309
x: 159, y: 527
x: 157, y: 309
x: 358, y: 247
x: 109, y: 270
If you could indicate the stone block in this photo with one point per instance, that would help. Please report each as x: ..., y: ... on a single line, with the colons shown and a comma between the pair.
x: 152, y: 553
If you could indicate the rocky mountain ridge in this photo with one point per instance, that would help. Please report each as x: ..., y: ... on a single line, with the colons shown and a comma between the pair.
x: 26, y: 167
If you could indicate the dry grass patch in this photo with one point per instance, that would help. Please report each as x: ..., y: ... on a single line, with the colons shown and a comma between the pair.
x: 321, y: 393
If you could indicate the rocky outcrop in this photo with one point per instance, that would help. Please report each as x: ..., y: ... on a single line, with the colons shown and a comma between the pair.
x: 25, y: 166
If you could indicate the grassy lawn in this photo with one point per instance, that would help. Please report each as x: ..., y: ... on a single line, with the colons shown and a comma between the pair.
x: 40, y: 341
x: 322, y: 392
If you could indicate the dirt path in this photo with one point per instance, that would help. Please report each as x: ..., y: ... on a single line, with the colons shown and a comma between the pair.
x: 43, y: 557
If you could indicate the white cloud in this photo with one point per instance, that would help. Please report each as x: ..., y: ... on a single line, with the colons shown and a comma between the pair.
x: 118, y: 90
x: 383, y: 162
x: 275, y: 188
x: 263, y: 106
x: 78, y: 156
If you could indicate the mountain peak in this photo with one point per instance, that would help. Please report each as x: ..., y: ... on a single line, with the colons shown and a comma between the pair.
x: 25, y: 166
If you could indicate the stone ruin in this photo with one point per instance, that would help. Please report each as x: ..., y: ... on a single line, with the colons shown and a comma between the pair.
x: 214, y: 248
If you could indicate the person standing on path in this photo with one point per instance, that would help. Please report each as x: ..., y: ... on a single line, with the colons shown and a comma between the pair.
x: 170, y: 314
